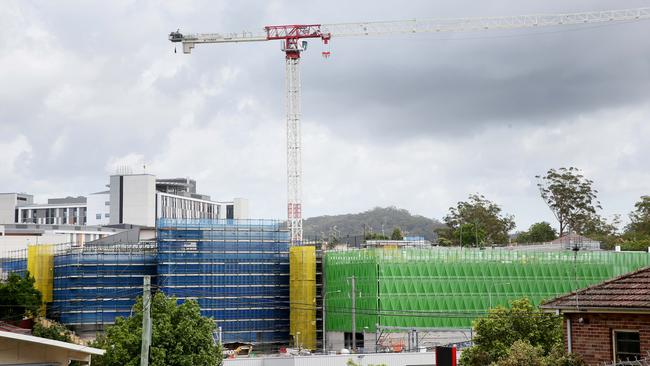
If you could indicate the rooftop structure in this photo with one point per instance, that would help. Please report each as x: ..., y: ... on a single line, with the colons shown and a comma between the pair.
x: 573, y: 240
x: 23, y: 349
x: 407, y: 242
x: 18, y: 236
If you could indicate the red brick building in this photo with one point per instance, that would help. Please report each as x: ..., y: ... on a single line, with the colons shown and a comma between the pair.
x: 608, y: 322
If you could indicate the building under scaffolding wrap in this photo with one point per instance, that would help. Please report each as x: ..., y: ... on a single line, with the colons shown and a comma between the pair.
x: 303, y: 296
x: 40, y: 264
x: 403, y: 290
x: 85, y: 287
x: 238, y: 271
x: 94, y: 284
x: 14, y: 261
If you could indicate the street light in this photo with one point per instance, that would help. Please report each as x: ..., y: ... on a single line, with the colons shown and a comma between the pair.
x: 324, y: 324
x: 490, y: 293
x: 365, y: 330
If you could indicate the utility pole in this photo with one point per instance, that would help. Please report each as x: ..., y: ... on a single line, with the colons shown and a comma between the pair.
x: 146, y: 321
x: 354, y: 313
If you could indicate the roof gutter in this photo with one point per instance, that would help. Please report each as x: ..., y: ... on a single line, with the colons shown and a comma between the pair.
x: 572, y: 310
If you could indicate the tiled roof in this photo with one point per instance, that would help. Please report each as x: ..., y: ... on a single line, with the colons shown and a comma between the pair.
x: 14, y: 329
x: 627, y: 292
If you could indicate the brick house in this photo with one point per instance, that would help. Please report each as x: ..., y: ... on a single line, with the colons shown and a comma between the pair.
x: 607, y: 322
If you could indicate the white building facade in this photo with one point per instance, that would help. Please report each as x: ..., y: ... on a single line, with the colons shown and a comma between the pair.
x: 98, y: 209
x: 132, y: 199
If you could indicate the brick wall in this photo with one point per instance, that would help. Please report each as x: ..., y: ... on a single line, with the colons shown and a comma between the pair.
x: 592, y: 339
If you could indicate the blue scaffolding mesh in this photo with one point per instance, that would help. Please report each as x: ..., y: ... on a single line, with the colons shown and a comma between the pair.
x: 92, y: 284
x: 14, y: 261
x: 237, y: 270
x: 95, y: 284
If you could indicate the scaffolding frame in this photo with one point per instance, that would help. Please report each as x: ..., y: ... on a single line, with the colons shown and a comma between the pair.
x: 237, y: 270
x: 89, y: 286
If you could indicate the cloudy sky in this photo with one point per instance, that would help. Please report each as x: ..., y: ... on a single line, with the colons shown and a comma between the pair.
x: 417, y: 122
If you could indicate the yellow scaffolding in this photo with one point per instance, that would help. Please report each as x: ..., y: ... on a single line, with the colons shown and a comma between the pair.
x: 40, y: 264
x: 302, y: 296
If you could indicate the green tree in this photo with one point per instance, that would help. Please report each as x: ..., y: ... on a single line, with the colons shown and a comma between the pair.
x: 522, y: 353
x: 496, y: 333
x: 397, y: 234
x: 540, y: 232
x: 640, y: 218
x: 19, y: 298
x: 54, y: 331
x: 375, y: 236
x: 180, y: 336
x: 479, y: 218
x: 571, y: 198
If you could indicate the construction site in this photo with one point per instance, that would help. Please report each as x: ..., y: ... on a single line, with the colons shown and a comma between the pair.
x: 262, y: 292
x: 263, y: 283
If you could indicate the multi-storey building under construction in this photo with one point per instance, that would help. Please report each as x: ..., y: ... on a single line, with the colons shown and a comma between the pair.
x: 237, y: 270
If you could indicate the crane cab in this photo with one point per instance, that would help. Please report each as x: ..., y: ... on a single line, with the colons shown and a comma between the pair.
x: 176, y: 36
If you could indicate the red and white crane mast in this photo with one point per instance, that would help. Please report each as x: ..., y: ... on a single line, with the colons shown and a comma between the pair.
x: 293, y: 44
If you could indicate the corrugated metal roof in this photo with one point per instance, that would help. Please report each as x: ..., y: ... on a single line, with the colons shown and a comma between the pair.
x: 52, y: 343
x: 627, y: 292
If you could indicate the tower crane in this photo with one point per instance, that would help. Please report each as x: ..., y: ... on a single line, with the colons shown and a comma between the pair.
x: 293, y: 40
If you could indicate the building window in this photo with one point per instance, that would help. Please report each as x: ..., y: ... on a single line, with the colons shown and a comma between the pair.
x: 107, y: 203
x: 107, y: 215
x: 98, y: 216
x: 230, y: 212
x: 627, y: 345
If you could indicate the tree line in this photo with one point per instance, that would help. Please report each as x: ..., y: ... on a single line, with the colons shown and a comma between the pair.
x: 572, y: 199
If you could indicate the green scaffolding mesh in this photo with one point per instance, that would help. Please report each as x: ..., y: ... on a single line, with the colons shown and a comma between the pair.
x: 449, y: 287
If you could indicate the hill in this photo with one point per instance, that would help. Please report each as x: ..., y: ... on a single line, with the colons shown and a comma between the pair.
x: 372, y: 221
